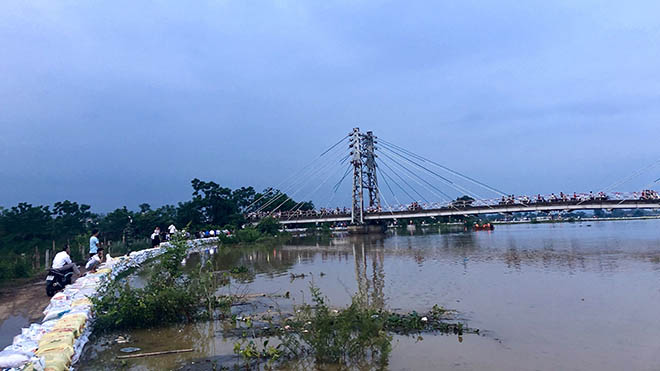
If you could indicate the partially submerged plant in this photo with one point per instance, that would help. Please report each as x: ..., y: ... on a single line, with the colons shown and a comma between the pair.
x: 171, y: 295
x: 358, y: 336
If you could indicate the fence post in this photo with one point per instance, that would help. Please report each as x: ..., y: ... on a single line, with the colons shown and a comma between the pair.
x: 37, y: 261
x: 47, y: 259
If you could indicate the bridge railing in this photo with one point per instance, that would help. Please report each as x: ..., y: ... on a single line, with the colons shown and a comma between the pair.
x: 545, y: 200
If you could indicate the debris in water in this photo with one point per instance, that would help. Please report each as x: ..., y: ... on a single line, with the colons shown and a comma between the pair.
x: 129, y: 349
x: 155, y: 353
x: 294, y: 276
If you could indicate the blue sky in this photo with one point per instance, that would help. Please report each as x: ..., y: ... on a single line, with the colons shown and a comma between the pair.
x: 123, y: 102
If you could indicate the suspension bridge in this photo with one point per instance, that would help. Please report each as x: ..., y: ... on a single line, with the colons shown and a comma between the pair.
x: 429, y: 189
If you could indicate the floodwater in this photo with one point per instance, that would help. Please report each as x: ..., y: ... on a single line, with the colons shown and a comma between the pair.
x: 19, y: 307
x: 582, y: 296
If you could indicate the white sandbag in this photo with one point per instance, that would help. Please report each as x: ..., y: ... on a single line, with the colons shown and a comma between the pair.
x: 13, y: 358
x: 55, y: 313
x: 23, y: 345
x: 33, y: 332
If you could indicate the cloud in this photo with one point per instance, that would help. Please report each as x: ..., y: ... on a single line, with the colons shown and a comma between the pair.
x: 123, y: 102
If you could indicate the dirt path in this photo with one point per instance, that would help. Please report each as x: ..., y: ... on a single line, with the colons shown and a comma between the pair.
x: 22, y: 302
x: 20, y: 306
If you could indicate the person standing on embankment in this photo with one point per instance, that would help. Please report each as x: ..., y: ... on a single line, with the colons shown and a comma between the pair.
x: 94, y: 243
x: 155, y: 237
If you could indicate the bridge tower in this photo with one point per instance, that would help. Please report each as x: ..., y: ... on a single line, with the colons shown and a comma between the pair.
x: 371, y: 181
x: 357, y: 210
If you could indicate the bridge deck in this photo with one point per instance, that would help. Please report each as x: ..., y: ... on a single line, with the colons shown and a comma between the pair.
x: 480, y: 210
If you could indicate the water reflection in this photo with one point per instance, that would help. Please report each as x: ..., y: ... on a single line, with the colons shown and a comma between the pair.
x: 369, y: 289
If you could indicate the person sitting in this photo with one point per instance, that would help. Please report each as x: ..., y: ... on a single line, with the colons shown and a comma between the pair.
x: 62, y: 261
x: 95, y: 261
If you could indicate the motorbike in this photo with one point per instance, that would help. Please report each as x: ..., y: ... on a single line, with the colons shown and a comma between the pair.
x: 57, y: 280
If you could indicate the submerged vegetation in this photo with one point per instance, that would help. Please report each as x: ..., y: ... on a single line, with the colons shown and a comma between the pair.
x: 170, y: 296
x: 356, y: 336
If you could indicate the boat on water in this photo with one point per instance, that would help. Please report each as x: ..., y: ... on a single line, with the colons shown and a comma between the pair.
x: 483, y: 227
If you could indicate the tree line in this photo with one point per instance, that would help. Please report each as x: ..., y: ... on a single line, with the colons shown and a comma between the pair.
x: 26, y: 228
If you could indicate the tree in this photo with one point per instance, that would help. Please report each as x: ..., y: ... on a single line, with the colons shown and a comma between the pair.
x: 216, y: 203
x: 70, y: 219
x: 114, y: 223
x: 268, y: 226
x: 189, y: 213
x: 244, y: 197
x: 24, y: 226
x: 277, y: 200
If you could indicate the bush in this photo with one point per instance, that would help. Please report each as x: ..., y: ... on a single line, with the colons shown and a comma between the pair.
x: 14, y: 266
x: 227, y: 239
x: 247, y: 235
x: 348, y: 337
x: 170, y: 296
x: 269, y: 226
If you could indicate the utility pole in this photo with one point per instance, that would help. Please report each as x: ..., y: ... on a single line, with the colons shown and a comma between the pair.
x: 357, y: 209
x: 371, y: 181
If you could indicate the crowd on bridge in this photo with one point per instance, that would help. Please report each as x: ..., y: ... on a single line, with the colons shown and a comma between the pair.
x: 293, y: 214
x: 649, y: 194
x: 553, y: 198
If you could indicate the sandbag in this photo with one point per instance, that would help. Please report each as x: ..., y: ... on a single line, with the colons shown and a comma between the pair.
x: 55, y: 313
x: 57, y: 337
x: 71, y: 329
x: 51, y: 348
x: 81, y: 302
x: 78, y: 317
x: 56, y: 362
x: 23, y: 345
x: 13, y: 358
x: 76, y: 321
x: 103, y: 271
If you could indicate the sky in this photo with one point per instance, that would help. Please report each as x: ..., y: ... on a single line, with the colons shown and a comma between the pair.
x: 115, y: 103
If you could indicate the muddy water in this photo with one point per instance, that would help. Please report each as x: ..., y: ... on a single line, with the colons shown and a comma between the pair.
x: 581, y: 296
x: 19, y: 307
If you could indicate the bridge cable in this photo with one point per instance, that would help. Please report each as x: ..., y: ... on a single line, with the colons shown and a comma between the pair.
x: 387, y: 183
x: 270, y: 189
x: 306, y: 181
x: 296, y: 191
x: 405, y: 182
x: 484, y: 185
x: 395, y: 182
x: 384, y: 199
x: 645, y: 187
x: 311, y: 193
x: 297, y: 182
x: 448, y: 197
x: 337, y: 185
x: 450, y: 183
x: 631, y: 176
x: 627, y: 178
x: 334, y: 145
